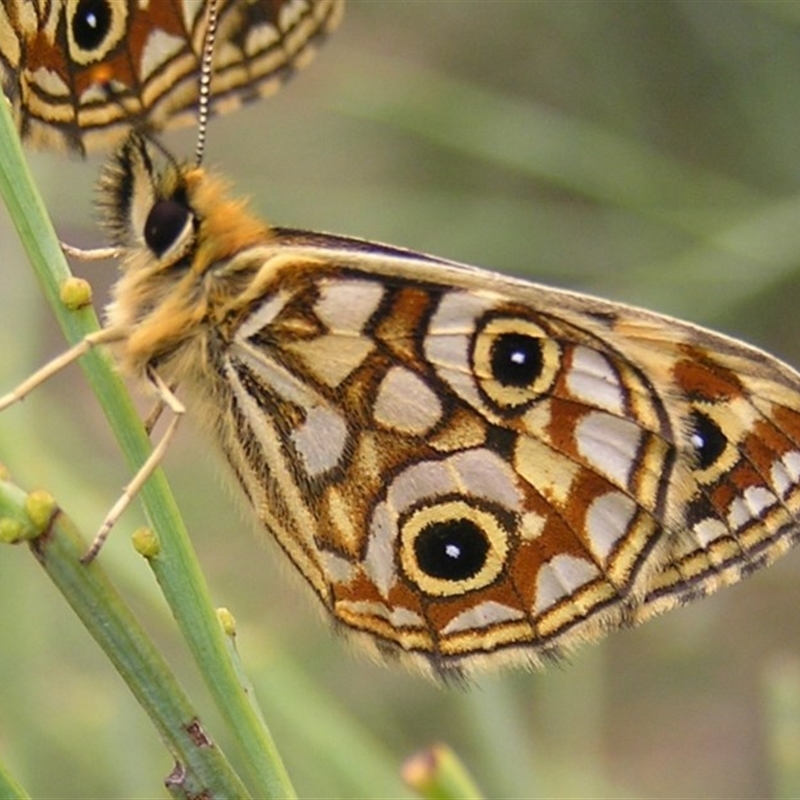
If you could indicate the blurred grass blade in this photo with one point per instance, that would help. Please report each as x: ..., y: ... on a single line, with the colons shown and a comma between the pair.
x: 9, y: 788
x: 177, y: 570
x: 339, y: 743
x: 532, y: 140
x: 203, y: 767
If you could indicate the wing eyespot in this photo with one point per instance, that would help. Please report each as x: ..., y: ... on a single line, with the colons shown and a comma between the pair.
x: 708, y: 440
x: 453, y: 546
x: 515, y: 362
x: 95, y: 27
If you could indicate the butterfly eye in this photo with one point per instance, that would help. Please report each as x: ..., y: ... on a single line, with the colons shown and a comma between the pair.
x: 515, y: 362
x: 453, y: 546
x: 166, y: 225
x: 708, y: 440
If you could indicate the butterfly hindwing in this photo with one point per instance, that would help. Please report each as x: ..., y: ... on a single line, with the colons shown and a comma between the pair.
x: 490, y: 466
x: 81, y: 73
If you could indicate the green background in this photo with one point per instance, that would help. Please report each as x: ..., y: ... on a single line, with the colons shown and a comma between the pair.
x: 648, y: 152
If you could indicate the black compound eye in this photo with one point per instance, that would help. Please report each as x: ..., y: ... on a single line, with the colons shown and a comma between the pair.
x: 454, y: 550
x: 516, y: 359
x: 165, y: 223
x: 91, y: 23
x: 708, y: 439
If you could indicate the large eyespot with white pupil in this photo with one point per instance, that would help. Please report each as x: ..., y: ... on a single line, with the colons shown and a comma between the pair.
x: 514, y: 361
x: 454, y: 546
x: 94, y: 28
x: 713, y: 451
x: 168, y: 227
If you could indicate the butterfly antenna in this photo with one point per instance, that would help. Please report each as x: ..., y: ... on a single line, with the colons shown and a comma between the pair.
x: 204, y: 91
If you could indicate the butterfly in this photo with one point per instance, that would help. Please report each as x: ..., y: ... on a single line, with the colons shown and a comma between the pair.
x: 468, y: 470
x: 80, y: 73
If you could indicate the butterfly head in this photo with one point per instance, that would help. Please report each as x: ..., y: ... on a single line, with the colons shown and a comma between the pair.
x: 184, y: 246
x: 170, y: 213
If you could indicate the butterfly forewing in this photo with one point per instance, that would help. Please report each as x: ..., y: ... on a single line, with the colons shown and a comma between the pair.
x: 467, y: 469
x: 80, y: 73
x: 742, y: 511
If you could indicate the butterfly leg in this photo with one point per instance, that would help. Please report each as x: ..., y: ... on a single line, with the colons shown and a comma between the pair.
x: 102, y: 336
x: 95, y: 254
x: 155, y: 415
x: 166, y: 399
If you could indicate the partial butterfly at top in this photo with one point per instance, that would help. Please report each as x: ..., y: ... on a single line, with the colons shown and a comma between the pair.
x: 468, y: 470
x: 81, y: 73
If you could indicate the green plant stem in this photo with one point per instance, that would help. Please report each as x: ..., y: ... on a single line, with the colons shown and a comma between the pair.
x: 202, y: 769
x: 176, y: 568
x: 439, y: 774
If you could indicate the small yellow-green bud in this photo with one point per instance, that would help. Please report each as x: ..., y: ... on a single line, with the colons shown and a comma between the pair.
x: 227, y: 620
x: 75, y: 293
x: 11, y: 531
x: 146, y: 542
x: 41, y: 506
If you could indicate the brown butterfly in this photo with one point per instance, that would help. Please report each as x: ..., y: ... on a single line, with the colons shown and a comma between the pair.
x: 468, y: 470
x: 80, y: 73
